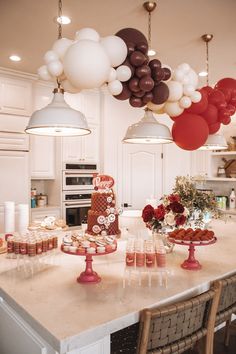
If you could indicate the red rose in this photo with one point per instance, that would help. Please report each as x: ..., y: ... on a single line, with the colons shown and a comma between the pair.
x: 177, y: 208
x: 180, y: 220
x: 148, y: 213
x: 159, y: 213
x: 174, y: 198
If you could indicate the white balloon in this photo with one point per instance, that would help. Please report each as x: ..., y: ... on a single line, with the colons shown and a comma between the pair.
x: 186, y: 80
x: 193, y: 78
x: 115, y: 87
x: 61, y: 45
x: 55, y: 68
x: 175, y: 90
x: 173, y: 109
x: 157, y: 108
x: 185, y: 102
x: 188, y: 90
x: 87, y: 33
x: 49, y: 56
x: 115, y: 48
x: 112, y: 75
x: 86, y: 64
x: 196, y: 96
x: 178, y: 75
x: 123, y: 73
x: 68, y: 87
x: 43, y: 73
x: 184, y: 67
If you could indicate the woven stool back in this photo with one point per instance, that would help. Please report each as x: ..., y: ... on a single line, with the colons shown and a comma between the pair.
x: 176, y: 328
x: 227, y: 303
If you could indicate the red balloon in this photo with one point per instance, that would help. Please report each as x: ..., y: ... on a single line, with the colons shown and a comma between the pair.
x: 207, y: 89
x: 231, y: 109
x: 125, y: 93
x: 233, y: 98
x: 190, y: 131
x: 216, y: 97
x: 210, y: 114
x: 228, y: 83
x: 227, y: 93
x: 199, y: 107
x: 213, y: 128
x: 226, y: 120
x: 222, y: 115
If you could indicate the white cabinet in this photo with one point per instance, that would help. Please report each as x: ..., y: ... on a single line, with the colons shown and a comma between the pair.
x: 82, y: 148
x: 15, y: 96
x: 42, y: 148
x: 200, y: 163
x: 42, y: 157
x: 141, y: 174
x: 14, y: 141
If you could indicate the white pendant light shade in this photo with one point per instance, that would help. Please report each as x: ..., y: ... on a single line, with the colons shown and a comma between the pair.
x: 148, y: 131
x: 58, y: 119
x: 215, y: 142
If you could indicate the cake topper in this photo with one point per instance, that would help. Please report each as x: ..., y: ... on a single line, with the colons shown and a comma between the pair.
x: 103, y: 182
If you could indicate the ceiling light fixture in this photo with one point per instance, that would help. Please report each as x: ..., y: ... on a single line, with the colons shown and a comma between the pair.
x: 63, y: 20
x: 214, y: 141
x: 58, y: 118
x: 150, y: 7
x: 148, y: 131
x: 202, y: 73
x: 15, y: 57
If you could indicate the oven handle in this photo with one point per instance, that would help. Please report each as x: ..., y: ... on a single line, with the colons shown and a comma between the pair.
x: 79, y: 205
x: 79, y: 173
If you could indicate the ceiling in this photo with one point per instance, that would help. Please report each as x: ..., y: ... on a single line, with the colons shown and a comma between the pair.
x: 28, y: 29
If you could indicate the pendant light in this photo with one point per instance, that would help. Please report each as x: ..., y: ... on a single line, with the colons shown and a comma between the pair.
x: 58, y: 118
x: 150, y: 7
x: 148, y: 131
x: 214, y: 141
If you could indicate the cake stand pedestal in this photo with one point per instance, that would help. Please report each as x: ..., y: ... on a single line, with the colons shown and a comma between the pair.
x: 88, y: 276
x: 191, y: 263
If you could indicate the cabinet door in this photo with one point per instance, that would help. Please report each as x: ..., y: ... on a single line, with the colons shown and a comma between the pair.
x: 15, y: 96
x: 176, y: 162
x: 71, y: 148
x: 42, y: 157
x: 14, y: 141
x: 90, y: 145
x: 200, y: 163
x: 141, y: 174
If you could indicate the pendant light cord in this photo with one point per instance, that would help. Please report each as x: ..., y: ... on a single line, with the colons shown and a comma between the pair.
x: 59, y: 17
x: 149, y: 29
x: 207, y: 38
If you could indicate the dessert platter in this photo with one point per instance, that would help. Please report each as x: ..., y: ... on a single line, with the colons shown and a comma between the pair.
x: 50, y: 223
x: 102, y: 230
x: 192, y: 238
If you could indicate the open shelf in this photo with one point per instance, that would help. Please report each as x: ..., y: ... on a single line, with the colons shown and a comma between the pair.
x: 222, y: 179
x: 222, y: 153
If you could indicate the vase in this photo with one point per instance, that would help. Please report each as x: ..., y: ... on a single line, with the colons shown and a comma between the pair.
x: 162, y: 234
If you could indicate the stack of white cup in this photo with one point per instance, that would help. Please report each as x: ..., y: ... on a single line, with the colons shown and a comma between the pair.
x: 9, y: 217
x: 23, y: 218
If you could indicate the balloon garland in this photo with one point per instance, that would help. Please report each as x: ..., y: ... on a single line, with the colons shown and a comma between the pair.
x: 121, y: 62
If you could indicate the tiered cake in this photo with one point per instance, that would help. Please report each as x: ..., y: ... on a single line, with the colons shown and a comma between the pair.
x: 103, y: 215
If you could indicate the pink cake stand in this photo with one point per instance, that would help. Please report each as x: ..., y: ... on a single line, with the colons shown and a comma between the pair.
x: 88, y: 276
x: 192, y: 263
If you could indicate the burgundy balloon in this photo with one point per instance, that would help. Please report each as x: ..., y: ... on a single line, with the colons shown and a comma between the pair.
x: 167, y: 73
x: 134, y: 84
x: 137, y: 58
x: 142, y: 71
x: 160, y: 93
x: 147, y: 97
x: 130, y: 47
x: 146, y: 83
x: 154, y: 63
x: 125, y: 93
x: 136, y: 102
x: 127, y: 63
x: 139, y: 93
x: 158, y: 74
x: 143, y: 47
x: 132, y: 35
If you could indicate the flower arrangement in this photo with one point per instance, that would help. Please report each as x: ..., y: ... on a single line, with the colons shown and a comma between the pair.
x: 170, y: 213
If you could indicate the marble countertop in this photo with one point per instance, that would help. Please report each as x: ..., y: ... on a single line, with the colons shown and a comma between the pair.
x: 69, y: 315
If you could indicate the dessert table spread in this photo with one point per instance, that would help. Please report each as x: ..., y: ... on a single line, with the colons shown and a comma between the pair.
x: 68, y: 315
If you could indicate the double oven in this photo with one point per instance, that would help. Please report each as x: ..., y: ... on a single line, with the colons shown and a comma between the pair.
x: 77, y: 188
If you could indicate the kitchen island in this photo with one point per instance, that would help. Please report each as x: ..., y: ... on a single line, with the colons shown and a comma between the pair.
x: 66, y: 317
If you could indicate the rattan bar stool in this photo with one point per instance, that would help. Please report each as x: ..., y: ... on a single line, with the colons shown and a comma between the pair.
x: 178, y: 327
x: 227, y: 305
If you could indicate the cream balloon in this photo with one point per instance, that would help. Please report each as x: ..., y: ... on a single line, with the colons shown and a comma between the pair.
x: 55, y: 68
x: 196, y: 96
x: 185, y: 102
x: 49, y: 56
x: 184, y: 67
x: 115, y: 87
x: 173, y: 109
x: 68, y: 87
x: 115, y: 48
x: 157, y: 108
x: 193, y: 78
x: 175, y: 91
x: 188, y: 90
x: 178, y: 75
x: 61, y: 45
x: 86, y: 64
x: 43, y: 73
x: 123, y: 73
x: 87, y: 33
x: 112, y: 75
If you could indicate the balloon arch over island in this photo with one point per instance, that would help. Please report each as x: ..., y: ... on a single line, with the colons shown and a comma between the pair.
x: 121, y: 62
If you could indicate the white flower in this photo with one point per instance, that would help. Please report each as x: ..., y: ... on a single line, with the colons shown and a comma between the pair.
x: 186, y: 212
x: 170, y: 219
